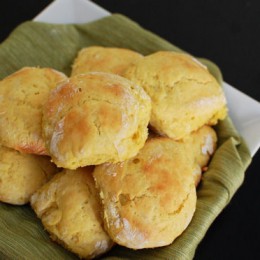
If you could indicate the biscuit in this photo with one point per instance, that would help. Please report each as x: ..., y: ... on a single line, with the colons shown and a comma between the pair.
x: 22, y: 95
x: 149, y: 199
x: 95, y: 118
x: 69, y: 208
x: 22, y: 174
x: 201, y: 145
x: 104, y: 59
x: 185, y: 96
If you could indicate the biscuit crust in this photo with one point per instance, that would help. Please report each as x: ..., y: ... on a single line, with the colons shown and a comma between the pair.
x: 201, y: 145
x: 104, y: 59
x: 150, y: 199
x: 69, y: 208
x: 22, y: 174
x: 22, y: 95
x: 95, y: 118
x: 185, y: 96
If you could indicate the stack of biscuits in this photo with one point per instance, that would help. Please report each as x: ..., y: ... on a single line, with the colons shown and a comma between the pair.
x: 113, y: 153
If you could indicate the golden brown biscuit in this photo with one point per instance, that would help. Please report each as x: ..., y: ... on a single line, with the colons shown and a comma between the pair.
x: 95, y: 118
x: 22, y: 174
x: 104, y: 59
x: 70, y: 210
x: 185, y: 96
x: 22, y: 95
x: 150, y: 199
x: 201, y: 145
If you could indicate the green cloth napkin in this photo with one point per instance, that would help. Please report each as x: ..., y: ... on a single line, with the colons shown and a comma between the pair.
x: 38, y: 44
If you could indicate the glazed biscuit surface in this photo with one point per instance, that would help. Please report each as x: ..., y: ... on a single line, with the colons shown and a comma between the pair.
x: 150, y: 199
x: 70, y: 210
x: 104, y: 59
x: 22, y: 174
x: 94, y: 118
x: 185, y: 96
x: 22, y: 95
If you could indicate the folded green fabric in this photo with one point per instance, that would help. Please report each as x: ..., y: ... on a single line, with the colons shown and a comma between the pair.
x: 38, y: 44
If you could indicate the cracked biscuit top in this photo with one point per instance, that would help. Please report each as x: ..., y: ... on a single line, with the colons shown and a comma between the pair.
x: 105, y: 59
x: 22, y: 95
x: 149, y: 199
x: 185, y: 96
x: 95, y: 118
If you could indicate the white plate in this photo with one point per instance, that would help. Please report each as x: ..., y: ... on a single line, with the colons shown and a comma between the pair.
x: 246, y: 117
